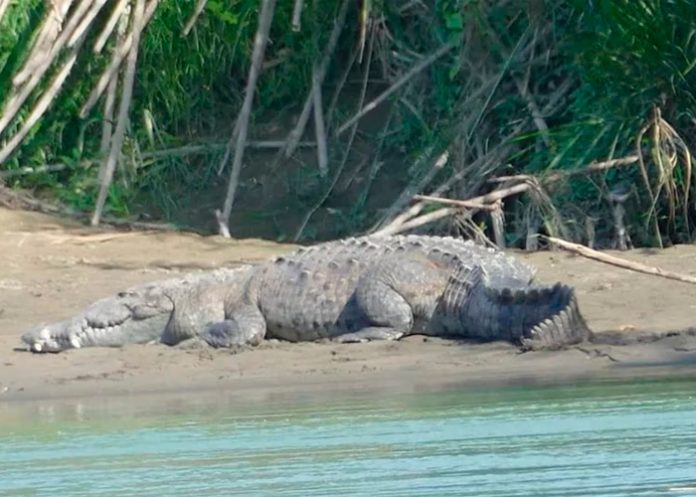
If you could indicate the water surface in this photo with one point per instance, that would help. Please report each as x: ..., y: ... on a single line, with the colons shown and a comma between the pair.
x: 591, y: 439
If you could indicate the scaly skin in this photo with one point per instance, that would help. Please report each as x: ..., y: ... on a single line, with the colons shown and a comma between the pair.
x: 350, y: 290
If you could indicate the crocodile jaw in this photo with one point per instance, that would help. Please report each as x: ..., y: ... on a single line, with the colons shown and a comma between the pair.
x: 110, y: 322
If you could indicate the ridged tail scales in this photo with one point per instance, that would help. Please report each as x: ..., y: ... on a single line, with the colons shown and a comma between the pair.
x: 534, y: 317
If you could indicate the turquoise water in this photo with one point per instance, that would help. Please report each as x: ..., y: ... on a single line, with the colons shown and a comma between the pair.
x: 594, y: 439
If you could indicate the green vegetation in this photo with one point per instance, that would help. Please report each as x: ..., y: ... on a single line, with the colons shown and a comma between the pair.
x: 532, y: 88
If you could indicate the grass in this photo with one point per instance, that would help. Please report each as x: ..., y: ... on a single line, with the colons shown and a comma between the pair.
x: 531, y: 88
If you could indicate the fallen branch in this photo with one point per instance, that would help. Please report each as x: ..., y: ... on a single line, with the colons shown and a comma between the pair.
x: 617, y: 261
x: 260, y: 41
x: 468, y: 204
x: 401, y: 223
x: 560, y: 175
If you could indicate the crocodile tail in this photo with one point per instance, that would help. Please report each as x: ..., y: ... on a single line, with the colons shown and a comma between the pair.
x: 534, y: 317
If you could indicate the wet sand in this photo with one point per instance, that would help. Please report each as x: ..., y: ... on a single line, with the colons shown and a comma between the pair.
x: 51, y: 268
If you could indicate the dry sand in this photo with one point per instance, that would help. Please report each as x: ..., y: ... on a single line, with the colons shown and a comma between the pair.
x: 50, y: 269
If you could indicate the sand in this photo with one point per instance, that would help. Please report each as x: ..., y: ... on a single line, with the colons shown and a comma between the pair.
x: 51, y: 268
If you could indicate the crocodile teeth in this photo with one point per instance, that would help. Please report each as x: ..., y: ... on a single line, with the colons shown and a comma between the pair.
x: 37, y: 347
x: 75, y: 342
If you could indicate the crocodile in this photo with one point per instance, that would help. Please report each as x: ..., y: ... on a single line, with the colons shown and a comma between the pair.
x: 351, y: 290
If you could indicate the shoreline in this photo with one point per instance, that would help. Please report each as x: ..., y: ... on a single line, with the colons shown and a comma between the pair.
x: 52, y: 268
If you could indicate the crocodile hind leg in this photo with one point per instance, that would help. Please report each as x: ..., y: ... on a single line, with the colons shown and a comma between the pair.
x: 244, y: 326
x: 386, y: 313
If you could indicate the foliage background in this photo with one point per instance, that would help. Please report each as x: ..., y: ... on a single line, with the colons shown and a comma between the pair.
x: 529, y: 88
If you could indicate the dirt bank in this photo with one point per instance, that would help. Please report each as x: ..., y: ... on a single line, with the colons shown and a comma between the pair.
x: 51, y: 268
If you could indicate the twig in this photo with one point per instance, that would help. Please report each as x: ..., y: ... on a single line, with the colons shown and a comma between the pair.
x: 319, y: 127
x: 458, y: 203
x: 124, y: 106
x: 560, y: 175
x: 260, y: 40
x: 110, y: 25
x: 297, y: 15
x: 121, y: 52
x: 43, y: 103
x: 297, y: 132
x: 424, y: 63
x: 617, y: 261
x: 200, y: 5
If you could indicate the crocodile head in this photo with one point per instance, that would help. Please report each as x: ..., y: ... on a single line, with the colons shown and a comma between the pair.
x: 135, y: 316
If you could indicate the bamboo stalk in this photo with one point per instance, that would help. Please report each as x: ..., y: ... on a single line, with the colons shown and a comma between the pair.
x: 618, y: 261
x: 42, y: 104
x: 124, y: 106
x: 297, y: 15
x: 260, y: 41
x: 346, y: 153
x: 319, y: 128
x: 121, y: 52
x: 110, y: 25
x: 52, y: 27
x: 423, y: 64
x: 3, y: 7
x: 108, y: 122
x: 86, y: 22
x: 200, y: 5
x: 299, y: 129
x: 35, y: 68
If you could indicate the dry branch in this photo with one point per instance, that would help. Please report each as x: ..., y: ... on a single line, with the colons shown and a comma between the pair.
x: 346, y: 153
x: 124, y: 105
x: 468, y: 204
x: 200, y: 5
x: 619, y: 262
x: 423, y: 64
x: 260, y: 40
x: 403, y: 223
x: 299, y: 129
x: 120, y: 53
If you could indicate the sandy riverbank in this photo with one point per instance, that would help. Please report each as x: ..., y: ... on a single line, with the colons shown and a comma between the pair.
x: 50, y: 269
